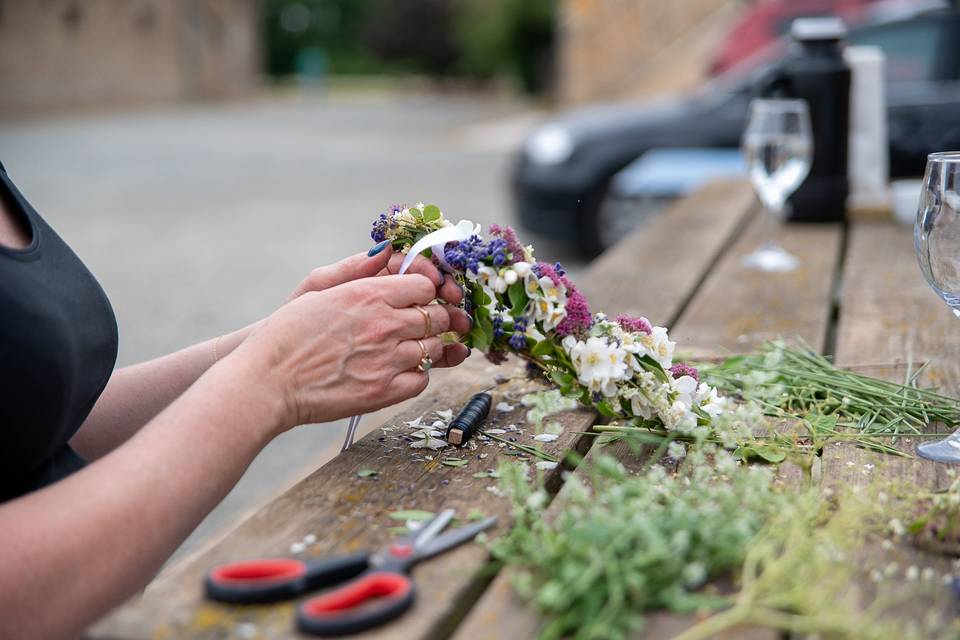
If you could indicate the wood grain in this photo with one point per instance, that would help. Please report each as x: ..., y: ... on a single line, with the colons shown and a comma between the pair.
x: 348, y: 513
x: 739, y: 308
x: 657, y: 269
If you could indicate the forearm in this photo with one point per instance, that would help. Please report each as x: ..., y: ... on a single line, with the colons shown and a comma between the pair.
x: 74, y: 550
x: 137, y: 393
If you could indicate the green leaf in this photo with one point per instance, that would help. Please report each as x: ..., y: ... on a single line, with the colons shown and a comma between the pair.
x: 454, y: 462
x: 487, y: 474
x: 561, y: 378
x: 431, y: 212
x: 366, y: 473
x: 654, y: 367
x: 543, y: 348
x: 605, y: 409
x: 749, y: 453
x: 474, y: 515
x: 478, y: 338
x: 518, y: 298
x: 412, y: 514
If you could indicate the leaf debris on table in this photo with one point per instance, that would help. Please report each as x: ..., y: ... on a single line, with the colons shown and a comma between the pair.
x: 366, y: 473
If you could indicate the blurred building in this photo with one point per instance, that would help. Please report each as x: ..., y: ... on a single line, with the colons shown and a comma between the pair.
x: 622, y: 48
x: 82, y: 53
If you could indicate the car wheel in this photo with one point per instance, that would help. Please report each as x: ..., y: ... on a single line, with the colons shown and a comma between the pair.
x: 605, y: 219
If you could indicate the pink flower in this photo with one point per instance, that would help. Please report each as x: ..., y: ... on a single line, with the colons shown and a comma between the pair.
x: 544, y: 270
x: 578, y: 319
x: 678, y: 370
x: 634, y: 325
x: 508, y: 235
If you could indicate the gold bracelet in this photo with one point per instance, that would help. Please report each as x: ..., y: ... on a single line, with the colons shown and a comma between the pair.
x: 216, y: 344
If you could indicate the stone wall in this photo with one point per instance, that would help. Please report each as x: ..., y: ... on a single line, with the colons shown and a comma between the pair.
x: 84, y: 53
x: 619, y: 48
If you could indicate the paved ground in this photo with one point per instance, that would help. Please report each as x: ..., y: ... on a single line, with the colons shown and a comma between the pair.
x: 201, y: 219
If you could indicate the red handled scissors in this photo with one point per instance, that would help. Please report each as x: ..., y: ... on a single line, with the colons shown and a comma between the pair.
x: 380, y: 592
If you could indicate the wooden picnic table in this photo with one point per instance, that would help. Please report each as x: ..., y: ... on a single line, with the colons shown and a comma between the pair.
x: 857, y: 295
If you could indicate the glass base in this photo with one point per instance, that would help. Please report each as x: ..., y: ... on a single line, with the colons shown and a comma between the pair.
x: 770, y: 257
x: 946, y: 450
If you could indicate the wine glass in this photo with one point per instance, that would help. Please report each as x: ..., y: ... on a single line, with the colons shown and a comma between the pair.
x: 778, y: 146
x: 936, y: 240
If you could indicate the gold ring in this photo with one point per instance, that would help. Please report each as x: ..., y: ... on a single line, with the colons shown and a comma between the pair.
x: 428, y: 323
x: 426, y: 362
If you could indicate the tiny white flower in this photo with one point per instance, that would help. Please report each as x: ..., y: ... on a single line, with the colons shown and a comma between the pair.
x: 545, y: 437
x: 546, y: 465
x: 297, y: 547
x: 676, y: 450
x: 510, y: 276
x: 912, y: 573
x: 309, y: 539
x: 928, y: 574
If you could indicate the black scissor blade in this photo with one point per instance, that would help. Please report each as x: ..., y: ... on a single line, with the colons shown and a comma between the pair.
x: 454, y: 538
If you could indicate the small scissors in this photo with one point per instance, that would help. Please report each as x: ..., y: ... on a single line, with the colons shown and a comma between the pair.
x: 382, y: 576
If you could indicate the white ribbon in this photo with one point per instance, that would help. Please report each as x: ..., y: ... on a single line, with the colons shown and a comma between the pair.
x: 437, y: 240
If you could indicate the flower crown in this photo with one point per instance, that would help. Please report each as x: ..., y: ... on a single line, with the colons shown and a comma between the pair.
x: 623, y: 367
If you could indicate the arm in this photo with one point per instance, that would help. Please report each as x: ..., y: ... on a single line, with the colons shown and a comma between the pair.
x: 137, y: 393
x: 75, y: 549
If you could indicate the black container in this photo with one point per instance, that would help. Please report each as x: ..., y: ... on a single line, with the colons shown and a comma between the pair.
x: 816, y: 72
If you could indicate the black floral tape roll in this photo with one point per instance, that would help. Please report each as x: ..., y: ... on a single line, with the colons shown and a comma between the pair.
x: 472, y: 415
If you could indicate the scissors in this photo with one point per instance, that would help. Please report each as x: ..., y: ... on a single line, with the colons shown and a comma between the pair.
x: 382, y: 577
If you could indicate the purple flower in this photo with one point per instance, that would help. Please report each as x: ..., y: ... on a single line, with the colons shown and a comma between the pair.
x: 379, y: 231
x: 497, y: 326
x: 559, y: 269
x: 509, y: 236
x: 681, y: 369
x: 634, y: 325
x: 579, y: 319
x: 518, y: 340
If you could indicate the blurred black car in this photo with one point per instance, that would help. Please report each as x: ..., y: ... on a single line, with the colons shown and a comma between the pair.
x: 563, y: 172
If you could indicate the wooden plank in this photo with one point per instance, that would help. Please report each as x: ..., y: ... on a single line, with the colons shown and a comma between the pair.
x: 348, y: 513
x: 888, y: 313
x: 739, y: 308
x: 655, y: 271
x: 502, y: 615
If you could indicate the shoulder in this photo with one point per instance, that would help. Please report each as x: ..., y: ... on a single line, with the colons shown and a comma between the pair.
x: 2, y: 170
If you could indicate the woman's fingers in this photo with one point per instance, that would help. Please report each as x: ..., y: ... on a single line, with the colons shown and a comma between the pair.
x: 430, y: 320
x: 361, y: 265
x: 450, y: 291
x: 447, y: 288
x: 408, y: 354
x: 406, y: 290
x: 406, y: 385
x: 453, y: 354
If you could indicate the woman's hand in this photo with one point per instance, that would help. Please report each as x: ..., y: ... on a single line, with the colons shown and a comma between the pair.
x: 353, y: 348
x: 379, y: 261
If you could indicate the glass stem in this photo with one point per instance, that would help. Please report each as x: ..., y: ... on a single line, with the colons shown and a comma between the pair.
x: 773, y: 215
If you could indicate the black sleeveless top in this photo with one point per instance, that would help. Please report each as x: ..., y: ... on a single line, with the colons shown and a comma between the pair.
x: 58, y: 346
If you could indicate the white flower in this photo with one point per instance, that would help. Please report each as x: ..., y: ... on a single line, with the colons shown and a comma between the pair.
x: 510, y: 276
x: 547, y: 313
x: 685, y: 388
x: 599, y: 364
x: 708, y: 400
x: 659, y: 346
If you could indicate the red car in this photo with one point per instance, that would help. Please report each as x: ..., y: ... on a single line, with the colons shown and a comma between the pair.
x: 765, y: 21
